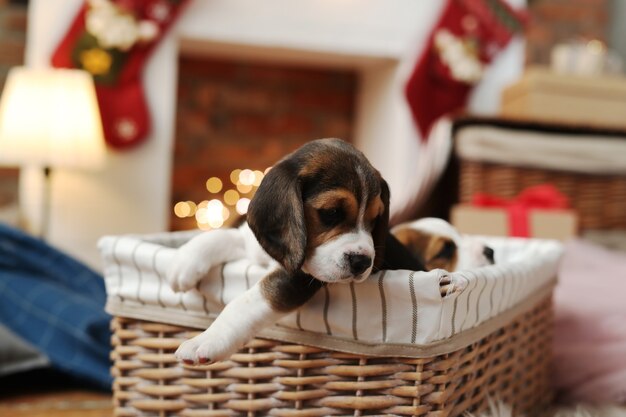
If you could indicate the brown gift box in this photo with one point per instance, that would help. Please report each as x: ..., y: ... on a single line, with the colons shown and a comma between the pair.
x: 544, y: 95
x: 543, y: 224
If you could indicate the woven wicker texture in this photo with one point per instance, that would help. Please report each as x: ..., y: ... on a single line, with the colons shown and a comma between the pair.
x: 599, y: 200
x: 268, y: 378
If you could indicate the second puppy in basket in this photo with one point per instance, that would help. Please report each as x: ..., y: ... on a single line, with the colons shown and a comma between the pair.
x: 437, y: 244
x: 320, y: 216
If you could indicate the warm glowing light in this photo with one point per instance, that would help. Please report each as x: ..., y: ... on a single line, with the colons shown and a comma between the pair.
x: 181, y: 209
x: 216, y: 223
x: 214, y: 185
x: 267, y: 170
x: 234, y: 176
x: 201, y: 216
x: 214, y: 207
x: 215, y: 213
x: 185, y: 209
x: 192, y: 208
x: 204, y: 226
x: 242, y: 206
x: 244, y: 189
x: 258, y: 177
x: 246, y: 177
x: 50, y: 118
x: 231, y: 197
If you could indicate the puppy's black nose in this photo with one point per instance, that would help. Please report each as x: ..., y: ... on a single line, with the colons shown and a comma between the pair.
x: 488, y: 252
x: 358, y: 263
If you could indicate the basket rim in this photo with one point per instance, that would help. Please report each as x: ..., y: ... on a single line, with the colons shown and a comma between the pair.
x: 319, y: 340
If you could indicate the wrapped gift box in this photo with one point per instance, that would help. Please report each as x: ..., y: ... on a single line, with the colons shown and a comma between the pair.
x: 545, y: 95
x: 503, y: 157
x: 492, y: 221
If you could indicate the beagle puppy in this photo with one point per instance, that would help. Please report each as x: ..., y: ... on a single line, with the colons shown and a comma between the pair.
x: 319, y: 216
x: 437, y: 244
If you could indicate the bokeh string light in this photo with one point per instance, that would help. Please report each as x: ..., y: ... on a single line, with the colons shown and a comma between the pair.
x: 225, y: 202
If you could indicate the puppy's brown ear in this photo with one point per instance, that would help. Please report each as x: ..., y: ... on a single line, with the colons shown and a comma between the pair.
x: 381, y: 228
x: 276, y: 216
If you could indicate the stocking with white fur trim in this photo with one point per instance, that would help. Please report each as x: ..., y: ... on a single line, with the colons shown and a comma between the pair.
x: 112, y: 39
x: 468, y: 35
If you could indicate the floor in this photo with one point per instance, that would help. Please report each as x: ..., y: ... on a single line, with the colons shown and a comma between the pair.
x: 48, y: 394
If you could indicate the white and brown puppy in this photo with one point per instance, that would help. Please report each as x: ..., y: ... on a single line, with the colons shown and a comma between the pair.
x: 437, y: 244
x: 321, y: 214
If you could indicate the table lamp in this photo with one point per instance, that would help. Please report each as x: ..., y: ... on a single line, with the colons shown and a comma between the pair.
x: 49, y: 118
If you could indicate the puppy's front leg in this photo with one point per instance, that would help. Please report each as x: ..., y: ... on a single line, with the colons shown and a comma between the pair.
x: 261, y: 306
x: 240, y: 320
x: 195, y: 258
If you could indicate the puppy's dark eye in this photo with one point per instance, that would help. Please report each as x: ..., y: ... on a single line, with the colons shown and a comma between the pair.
x: 331, y: 217
x: 447, y: 251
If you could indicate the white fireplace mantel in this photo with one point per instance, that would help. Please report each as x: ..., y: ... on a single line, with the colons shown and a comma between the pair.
x: 379, y: 38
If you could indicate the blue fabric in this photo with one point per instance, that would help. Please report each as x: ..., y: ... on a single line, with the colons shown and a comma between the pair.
x: 57, y: 304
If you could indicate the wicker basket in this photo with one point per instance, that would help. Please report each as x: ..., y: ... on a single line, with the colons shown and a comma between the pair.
x: 599, y: 200
x: 390, y: 345
x: 269, y: 378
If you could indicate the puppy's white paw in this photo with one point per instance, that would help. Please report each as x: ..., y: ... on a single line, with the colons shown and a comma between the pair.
x: 449, y: 285
x: 206, y: 349
x: 195, y: 258
x: 186, y: 270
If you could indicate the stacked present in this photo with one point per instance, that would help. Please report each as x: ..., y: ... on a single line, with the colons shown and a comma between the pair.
x: 541, y: 212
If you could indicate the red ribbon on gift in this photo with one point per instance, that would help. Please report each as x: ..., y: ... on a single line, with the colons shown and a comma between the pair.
x: 544, y: 197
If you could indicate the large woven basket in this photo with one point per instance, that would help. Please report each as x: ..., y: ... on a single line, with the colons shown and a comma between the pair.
x: 270, y: 378
x: 391, y: 345
x: 598, y: 198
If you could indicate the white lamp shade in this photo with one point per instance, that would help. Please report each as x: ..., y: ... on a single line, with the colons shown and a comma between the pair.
x: 50, y: 117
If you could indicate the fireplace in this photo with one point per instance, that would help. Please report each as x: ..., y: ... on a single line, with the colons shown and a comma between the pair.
x: 235, y: 118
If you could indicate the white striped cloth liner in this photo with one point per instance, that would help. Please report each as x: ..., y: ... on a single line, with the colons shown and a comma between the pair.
x: 387, y: 314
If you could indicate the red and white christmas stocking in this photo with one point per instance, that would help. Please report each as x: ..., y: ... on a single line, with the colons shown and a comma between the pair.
x: 112, y: 39
x: 468, y: 35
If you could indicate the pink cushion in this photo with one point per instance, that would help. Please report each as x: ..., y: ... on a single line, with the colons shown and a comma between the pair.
x: 590, y: 334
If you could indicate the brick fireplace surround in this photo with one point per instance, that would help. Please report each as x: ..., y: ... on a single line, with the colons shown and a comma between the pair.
x: 243, y: 114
